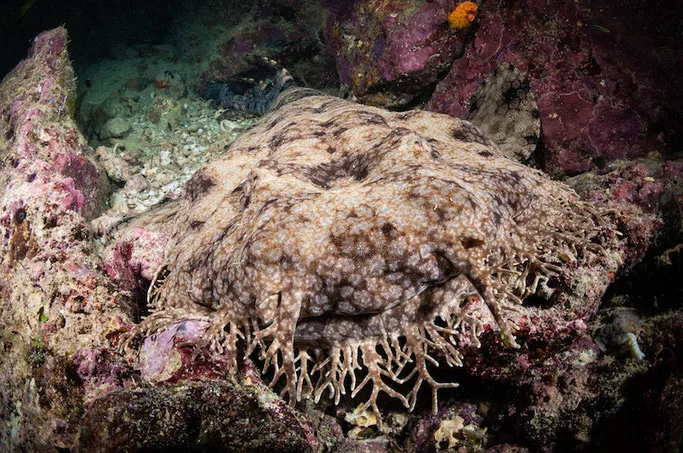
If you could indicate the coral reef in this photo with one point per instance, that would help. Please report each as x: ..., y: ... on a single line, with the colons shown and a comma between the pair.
x: 60, y: 369
x: 603, y: 76
x: 598, y: 368
x: 56, y: 298
x: 252, y: 428
x: 454, y: 428
x: 392, y: 54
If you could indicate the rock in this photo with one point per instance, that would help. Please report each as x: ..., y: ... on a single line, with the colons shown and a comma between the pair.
x: 116, y: 127
x: 605, y: 91
x: 135, y: 258
x: 392, y: 54
x: 55, y: 297
x: 216, y: 416
x: 288, y: 31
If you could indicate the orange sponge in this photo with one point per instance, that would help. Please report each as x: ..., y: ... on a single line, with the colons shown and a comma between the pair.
x: 463, y: 15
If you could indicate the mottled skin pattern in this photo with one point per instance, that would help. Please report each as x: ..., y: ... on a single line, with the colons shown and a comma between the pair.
x: 248, y: 94
x: 334, y: 237
x: 504, y: 108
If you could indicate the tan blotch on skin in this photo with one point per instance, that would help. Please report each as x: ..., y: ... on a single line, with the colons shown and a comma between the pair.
x: 346, y: 244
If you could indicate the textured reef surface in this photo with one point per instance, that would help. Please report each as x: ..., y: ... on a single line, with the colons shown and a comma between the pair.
x: 604, y: 74
x: 356, y: 255
x: 393, y: 53
x: 61, y: 375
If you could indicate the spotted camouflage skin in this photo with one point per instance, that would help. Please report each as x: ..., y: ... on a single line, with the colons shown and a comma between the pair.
x: 255, y: 91
x: 357, y: 247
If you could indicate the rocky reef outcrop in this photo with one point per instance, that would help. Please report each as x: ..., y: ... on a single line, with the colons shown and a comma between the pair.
x: 62, y: 377
x: 599, y: 368
x: 604, y: 75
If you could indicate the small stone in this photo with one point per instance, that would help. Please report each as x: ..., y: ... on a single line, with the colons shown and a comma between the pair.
x: 165, y: 158
x: 137, y: 183
x: 115, y: 128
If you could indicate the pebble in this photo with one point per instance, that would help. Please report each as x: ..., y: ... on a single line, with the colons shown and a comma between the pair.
x: 115, y: 128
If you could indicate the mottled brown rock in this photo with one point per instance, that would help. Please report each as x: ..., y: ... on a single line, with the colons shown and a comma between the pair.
x: 216, y: 416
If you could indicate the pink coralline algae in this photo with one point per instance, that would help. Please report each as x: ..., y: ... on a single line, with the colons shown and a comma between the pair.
x: 602, y: 74
x: 56, y: 298
x: 134, y: 260
x: 98, y: 370
x: 392, y: 53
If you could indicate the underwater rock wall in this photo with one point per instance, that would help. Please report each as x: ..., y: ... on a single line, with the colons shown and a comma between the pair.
x: 604, y: 75
x: 392, y: 54
x: 59, y: 310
